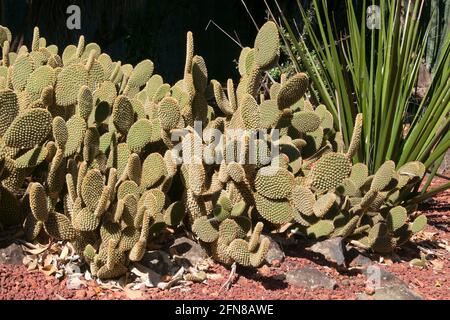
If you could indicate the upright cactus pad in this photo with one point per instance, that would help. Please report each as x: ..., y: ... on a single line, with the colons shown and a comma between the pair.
x: 330, y: 171
x: 28, y: 129
x: 267, y: 46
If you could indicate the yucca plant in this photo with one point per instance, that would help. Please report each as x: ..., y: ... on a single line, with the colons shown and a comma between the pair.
x: 373, y: 71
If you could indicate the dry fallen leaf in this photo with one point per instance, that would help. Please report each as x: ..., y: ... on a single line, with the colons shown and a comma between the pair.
x: 35, y: 249
x: 48, y: 270
x: 32, y: 265
x: 48, y: 260
x: 64, y: 253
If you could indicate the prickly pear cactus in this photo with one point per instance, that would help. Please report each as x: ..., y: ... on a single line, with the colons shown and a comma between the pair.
x: 91, y: 149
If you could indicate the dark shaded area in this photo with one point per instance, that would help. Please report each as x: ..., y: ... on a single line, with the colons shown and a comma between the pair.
x: 132, y: 30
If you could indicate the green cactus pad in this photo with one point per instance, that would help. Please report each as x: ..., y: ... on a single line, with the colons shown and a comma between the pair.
x: 38, y: 202
x: 41, y: 78
x: 134, y: 168
x: 270, y: 114
x: 249, y: 111
x: 236, y: 172
x: 379, y: 230
x: 330, y: 171
x: 384, y: 245
x: 138, y: 250
x: 85, y: 102
x: 21, y: 70
x: 126, y: 188
x: 9, y: 108
x: 32, y: 158
x: 141, y: 74
x: 10, y: 211
x: 197, y: 176
x: 169, y: 113
x: 347, y: 230
x: 306, y: 121
x: 117, y: 271
x: 274, y: 183
x: 153, y: 169
x: 91, y: 189
x: 85, y: 220
x: 292, y: 91
x: 118, y: 157
x: 320, y: 229
x: 59, y: 227
x: 153, y: 84
x: 122, y: 114
x: 231, y: 229
x: 275, y: 211
x: 160, y: 93
x: 419, y: 224
x: 60, y: 132
x: 369, y: 198
x: 267, y: 46
x: 359, y: 174
x: 327, y: 121
x: 68, y: 83
x: 205, y: 230
x: 410, y: 171
x: 397, y: 218
x: 174, y: 214
x: 383, y: 176
x: 91, y: 144
x: 106, y: 92
x: 110, y: 230
x: 238, y: 251
x: 238, y: 209
x: 257, y: 258
x: 76, y: 127
x: 314, y: 141
x: 324, y: 204
x: 242, y: 63
x: 199, y: 73
x: 303, y: 200
x: 32, y: 228
x: 139, y: 135
x: 356, y: 137
x: 348, y: 188
x: 29, y: 129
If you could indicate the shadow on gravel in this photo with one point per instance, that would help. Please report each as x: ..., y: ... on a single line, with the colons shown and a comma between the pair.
x: 273, y: 282
x: 300, y: 251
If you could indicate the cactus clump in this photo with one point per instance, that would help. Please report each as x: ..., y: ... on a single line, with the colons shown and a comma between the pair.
x: 88, y: 151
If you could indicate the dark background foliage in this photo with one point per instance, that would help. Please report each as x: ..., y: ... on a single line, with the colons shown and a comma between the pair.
x: 132, y: 30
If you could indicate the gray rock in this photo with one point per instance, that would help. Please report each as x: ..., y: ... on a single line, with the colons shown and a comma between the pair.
x: 331, y: 249
x: 391, y: 293
x: 361, y: 261
x: 275, y: 252
x: 387, y: 286
x: 189, y: 250
x: 12, y: 254
x: 380, y: 276
x: 357, y: 259
x: 309, y: 278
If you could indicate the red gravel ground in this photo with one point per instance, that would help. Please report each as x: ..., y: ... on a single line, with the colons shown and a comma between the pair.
x: 432, y: 282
